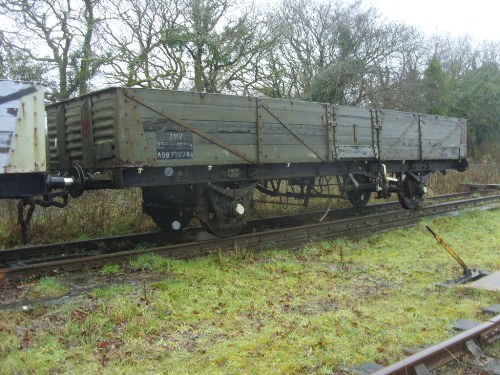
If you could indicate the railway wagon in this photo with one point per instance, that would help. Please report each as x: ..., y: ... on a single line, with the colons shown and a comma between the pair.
x: 204, y: 155
x: 22, y: 124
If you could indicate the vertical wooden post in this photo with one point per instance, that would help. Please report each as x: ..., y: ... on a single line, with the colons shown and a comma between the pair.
x: 260, y: 133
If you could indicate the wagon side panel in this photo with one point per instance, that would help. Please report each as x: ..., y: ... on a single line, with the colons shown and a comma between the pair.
x: 293, y: 132
x: 441, y: 138
x: 184, y: 128
x: 399, y: 136
x: 354, y: 136
x: 202, y: 129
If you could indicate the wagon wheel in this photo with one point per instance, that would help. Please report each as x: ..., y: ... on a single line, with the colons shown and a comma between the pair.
x: 171, y: 208
x: 358, y: 198
x: 222, y: 209
x: 170, y: 219
x: 411, y: 194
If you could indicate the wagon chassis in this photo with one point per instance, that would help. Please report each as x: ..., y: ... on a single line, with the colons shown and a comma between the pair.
x: 223, y: 194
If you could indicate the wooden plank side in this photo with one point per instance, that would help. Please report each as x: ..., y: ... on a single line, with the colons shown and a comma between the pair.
x: 208, y: 155
x: 269, y: 140
x: 200, y: 112
x: 238, y: 127
x: 303, y: 121
x: 399, y: 136
x: 355, y: 152
x: 441, y: 137
x: 354, y: 133
x: 293, y: 105
x: 234, y: 122
x: 274, y: 154
x: 190, y: 98
x: 405, y: 153
x: 290, y: 131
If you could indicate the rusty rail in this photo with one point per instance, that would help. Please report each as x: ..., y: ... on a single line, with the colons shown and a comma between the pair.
x: 287, y: 237
x: 109, y: 243
x: 447, y: 351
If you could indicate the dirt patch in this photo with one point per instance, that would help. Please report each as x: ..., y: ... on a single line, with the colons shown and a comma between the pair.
x: 24, y: 296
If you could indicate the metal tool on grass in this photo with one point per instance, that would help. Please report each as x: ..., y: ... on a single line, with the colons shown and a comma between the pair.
x: 468, y: 275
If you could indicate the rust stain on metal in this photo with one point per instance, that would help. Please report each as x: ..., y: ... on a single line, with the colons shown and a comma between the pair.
x: 449, y: 249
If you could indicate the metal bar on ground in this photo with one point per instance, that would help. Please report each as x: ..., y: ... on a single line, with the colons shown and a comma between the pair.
x: 445, y: 352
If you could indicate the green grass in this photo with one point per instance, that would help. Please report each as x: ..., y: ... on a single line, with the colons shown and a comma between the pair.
x: 150, y: 262
x: 332, y: 304
x: 110, y: 269
x: 49, y: 286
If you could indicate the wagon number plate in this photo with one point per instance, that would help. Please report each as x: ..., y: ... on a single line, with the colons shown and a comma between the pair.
x: 174, y: 145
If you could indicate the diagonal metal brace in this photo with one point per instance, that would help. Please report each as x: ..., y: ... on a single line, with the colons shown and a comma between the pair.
x: 291, y: 130
x: 188, y: 126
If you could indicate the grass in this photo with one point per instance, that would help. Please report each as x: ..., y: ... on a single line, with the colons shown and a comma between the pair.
x: 95, y: 214
x: 110, y: 269
x: 150, y: 262
x: 332, y: 304
x: 50, y: 286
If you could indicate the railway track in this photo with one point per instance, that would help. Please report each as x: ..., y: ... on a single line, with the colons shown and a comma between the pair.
x: 451, y: 351
x: 287, y: 237
x: 111, y: 244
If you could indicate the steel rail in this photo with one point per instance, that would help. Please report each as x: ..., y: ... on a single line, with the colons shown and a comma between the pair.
x: 446, y: 351
x: 106, y: 244
x: 287, y: 237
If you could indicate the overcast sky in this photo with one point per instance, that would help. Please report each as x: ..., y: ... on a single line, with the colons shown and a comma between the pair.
x: 479, y: 18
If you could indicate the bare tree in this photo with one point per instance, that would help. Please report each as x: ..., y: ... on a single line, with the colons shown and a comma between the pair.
x: 57, y: 33
x: 224, y: 40
x: 202, y: 45
x: 142, y: 37
x: 339, y: 52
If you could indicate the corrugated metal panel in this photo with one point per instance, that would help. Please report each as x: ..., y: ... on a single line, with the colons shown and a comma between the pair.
x: 103, y: 123
x: 52, y: 137
x: 93, y: 115
x: 74, y: 131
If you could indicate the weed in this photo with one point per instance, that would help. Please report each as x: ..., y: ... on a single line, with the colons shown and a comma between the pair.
x: 94, y: 214
x: 150, y: 262
x: 50, y: 286
x: 110, y: 269
x: 227, y: 258
x: 483, y: 168
x: 82, y: 237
